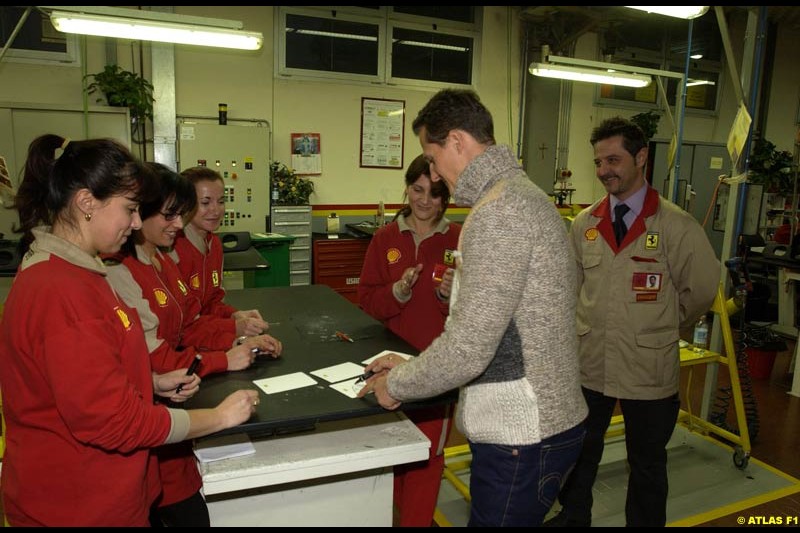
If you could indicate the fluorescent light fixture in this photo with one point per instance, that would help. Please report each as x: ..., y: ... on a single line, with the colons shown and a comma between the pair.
x: 682, y: 12
x: 696, y: 56
x: 334, y: 34
x: 433, y: 45
x: 154, y: 26
x: 691, y: 83
x: 564, y: 72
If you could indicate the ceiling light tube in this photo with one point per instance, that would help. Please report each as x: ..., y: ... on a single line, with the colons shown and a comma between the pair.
x: 148, y: 29
x: 334, y: 35
x: 682, y: 12
x: 691, y: 83
x: 566, y: 72
x: 434, y: 45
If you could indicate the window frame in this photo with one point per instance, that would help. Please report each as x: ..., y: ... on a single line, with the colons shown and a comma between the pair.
x: 386, y: 19
x: 654, y: 60
x: 69, y: 57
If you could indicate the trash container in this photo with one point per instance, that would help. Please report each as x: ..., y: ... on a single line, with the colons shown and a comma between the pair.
x: 760, y: 362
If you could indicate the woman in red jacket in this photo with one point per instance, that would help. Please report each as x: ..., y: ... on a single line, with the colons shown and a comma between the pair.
x: 405, y: 282
x: 198, y: 252
x: 76, y: 381
x: 148, y: 280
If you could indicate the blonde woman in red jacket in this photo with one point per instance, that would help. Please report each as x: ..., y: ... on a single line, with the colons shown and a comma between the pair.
x: 76, y: 380
x: 198, y: 252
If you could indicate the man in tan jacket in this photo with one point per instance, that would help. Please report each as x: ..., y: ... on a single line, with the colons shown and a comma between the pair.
x: 645, y: 269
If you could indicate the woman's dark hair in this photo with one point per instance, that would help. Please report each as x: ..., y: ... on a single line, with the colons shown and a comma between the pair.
x: 174, y: 196
x: 103, y: 166
x: 420, y: 167
x: 196, y: 174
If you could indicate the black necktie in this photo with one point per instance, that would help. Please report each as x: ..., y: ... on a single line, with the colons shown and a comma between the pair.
x: 620, y: 229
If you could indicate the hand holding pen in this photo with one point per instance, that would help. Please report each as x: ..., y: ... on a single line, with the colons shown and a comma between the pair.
x: 191, y: 370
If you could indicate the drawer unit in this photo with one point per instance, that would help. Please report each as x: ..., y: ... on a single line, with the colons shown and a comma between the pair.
x: 337, y: 264
x: 295, y: 220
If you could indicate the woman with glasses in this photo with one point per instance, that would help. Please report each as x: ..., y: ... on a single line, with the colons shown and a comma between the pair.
x: 148, y: 280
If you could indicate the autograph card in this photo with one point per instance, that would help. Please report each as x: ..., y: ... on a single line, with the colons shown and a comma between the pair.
x: 285, y: 383
x: 386, y: 352
x: 336, y: 373
x: 349, y: 388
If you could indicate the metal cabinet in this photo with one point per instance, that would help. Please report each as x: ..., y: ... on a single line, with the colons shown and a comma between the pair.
x: 295, y: 220
x: 337, y: 264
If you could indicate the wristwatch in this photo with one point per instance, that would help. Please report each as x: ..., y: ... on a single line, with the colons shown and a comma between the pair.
x: 240, y: 340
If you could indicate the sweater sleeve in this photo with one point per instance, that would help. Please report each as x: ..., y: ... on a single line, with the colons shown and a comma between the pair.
x: 496, y: 246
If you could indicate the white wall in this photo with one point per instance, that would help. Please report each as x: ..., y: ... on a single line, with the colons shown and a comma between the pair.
x: 245, y: 81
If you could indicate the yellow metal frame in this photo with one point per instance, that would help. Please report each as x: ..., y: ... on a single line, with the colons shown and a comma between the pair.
x: 458, y: 458
x: 690, y: 357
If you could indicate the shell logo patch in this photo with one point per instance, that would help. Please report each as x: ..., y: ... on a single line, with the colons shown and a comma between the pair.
x: 591, y: 234
x: 123, y: 317
x: 194, y: 281
x: 393, y: 255
x: 161, y: 297
x: 215, y: 278
x: 182, y: 287
x: 651, y: 241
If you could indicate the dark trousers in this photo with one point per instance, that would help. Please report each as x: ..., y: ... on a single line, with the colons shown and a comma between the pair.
x: 191, y: 512
x: 648, y: 427
x: 515, y: 486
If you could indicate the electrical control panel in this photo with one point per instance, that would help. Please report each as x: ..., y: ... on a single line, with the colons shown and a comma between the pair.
x: 240, y: 153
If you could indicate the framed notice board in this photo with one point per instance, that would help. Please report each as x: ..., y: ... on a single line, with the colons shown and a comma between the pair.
x: 382, y: 133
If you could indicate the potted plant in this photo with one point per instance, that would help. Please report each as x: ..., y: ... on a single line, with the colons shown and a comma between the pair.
x: 123, y: 88
x: 771, y: 168
x: 648, y: 121
x: 290, y: 188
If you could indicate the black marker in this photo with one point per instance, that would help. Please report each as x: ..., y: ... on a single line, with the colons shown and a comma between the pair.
x: 365, y: 376
x: 192, y: 369
x: 258, y: 351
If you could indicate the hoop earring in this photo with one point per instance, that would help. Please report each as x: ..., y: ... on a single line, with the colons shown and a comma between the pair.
x: 88, y: 217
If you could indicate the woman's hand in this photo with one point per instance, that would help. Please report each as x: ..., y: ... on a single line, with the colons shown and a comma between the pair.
x: 165, y: 385
x: 407, y: 281
x: 249, y: 323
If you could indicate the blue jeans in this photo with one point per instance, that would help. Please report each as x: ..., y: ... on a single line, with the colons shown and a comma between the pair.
x: 515, y: 486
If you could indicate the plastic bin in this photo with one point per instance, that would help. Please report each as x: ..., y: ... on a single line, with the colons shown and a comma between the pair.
x: 760, y: 362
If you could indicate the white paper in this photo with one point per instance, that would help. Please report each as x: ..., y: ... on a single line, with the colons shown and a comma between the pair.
x: 284, y: 383
x: 387, y: 352
x: 335, y: 373
x: 224, y: 447
x: 349, y: 388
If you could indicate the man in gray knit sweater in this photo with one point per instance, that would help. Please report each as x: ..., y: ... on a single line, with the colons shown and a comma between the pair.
x: 510, y: 341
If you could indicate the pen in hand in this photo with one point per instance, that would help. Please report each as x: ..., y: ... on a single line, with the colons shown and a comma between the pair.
x: 192, y: 369
x: 365, y: 376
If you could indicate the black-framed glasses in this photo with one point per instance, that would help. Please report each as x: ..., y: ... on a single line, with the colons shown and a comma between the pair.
x: 169, y: 217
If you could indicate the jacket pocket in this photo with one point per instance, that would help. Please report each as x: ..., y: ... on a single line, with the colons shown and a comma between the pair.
x: 658, y: 339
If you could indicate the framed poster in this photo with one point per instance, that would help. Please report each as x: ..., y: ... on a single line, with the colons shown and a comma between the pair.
x: 307, y: 153
x: 382, y: 132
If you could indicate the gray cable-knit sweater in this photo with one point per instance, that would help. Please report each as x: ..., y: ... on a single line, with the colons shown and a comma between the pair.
x: 510, y: 343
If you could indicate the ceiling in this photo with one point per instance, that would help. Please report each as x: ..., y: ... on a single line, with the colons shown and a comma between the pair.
x: 620, y: 27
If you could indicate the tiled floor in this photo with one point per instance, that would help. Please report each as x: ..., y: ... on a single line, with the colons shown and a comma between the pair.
x: 702, y: 479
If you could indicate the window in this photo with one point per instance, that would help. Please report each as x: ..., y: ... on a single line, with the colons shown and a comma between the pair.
x: 397, y: 45
x: 663, y: 45
x: 37, y: 41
